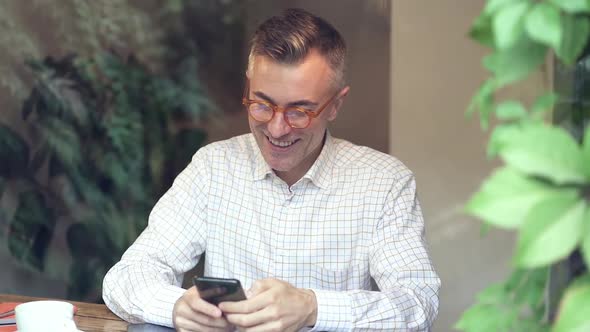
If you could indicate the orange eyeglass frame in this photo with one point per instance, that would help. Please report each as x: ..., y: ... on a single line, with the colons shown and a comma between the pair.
x: 275, y: 108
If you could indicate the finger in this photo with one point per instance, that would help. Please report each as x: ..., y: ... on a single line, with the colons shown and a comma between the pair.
x: 248, y: 306
x: 260, y: 286
x: 198, y: 322
x: 200, y: 307
x: 198, y: 312
x: 184, y: 324
x: 197, y: 303
x: 203, y: 307
x: 260, y: 300
x: 204, y: 320
x: 268, y: 314
x: 248, y: 320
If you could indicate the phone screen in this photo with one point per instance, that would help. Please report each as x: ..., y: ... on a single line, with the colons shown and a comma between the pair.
x: 217, y: 290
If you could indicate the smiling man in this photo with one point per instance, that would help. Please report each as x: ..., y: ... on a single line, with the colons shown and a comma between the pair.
x: 291, y: 142
x: 302, y: 219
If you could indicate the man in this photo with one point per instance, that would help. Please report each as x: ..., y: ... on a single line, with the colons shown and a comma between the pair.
x: 301, y: 218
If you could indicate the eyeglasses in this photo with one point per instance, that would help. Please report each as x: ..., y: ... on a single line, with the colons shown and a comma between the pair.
x: 295, y: 117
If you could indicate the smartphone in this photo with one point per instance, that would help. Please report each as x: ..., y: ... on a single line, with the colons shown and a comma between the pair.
x: 217, y: 290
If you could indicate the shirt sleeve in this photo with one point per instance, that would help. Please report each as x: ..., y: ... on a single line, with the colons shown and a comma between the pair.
x: 145, y: 284
x: 401, y: 267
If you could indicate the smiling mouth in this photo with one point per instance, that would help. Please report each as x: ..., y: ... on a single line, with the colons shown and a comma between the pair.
x: 281, y: 144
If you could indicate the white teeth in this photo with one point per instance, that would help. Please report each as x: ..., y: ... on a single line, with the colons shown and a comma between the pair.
x: 280, y: 143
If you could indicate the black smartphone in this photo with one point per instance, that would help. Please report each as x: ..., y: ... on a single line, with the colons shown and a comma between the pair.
x: 217, y: 290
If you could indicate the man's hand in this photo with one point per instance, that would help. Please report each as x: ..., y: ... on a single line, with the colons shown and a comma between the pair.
x: 272, y: 305
x: 192, y: 313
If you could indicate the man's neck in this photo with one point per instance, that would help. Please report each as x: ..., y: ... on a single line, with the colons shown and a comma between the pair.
x: 291, y: 177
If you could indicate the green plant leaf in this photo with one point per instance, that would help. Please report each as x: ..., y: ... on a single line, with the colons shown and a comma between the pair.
x: 510, y: 110
x: 573, y: 6
x: 551, y: 230
x: 526, y: 289
x: 39, y: 158
x: 585, y: 247
x: 185, y: 141
x: 493, y: 294
x: 517, y: 62
x: 56, y: 168
x: 31, y: 229
x: 492, y: 6
x: 545, y: 151
x: 86, y: 276
x: 30, y: 104
x: 506, y: 198
x: 481, y: 30
x: 508, y: 24
x: 543, y: 24
x: 530, y: 324
x: 485, y: 318
x: 65, y: 98
x: 484, y: 102
x: 63, y: 141
x: 86, y: 189
x: 544, y: 103
x: 586, y: 150
x: 574, y: 308
x: 530, y: 289
x: 3, y: 221
x: 501, y: 135
x: 576, y: 30
x: 14, y: 152
x: 81, y: 242
x: 117, y: 233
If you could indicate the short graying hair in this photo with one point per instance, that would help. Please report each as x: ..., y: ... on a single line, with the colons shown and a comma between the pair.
x: 290, y: 37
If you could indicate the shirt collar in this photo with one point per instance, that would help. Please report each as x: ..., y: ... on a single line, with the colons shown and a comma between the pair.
x: 320, y: 172
x: 261, y: 168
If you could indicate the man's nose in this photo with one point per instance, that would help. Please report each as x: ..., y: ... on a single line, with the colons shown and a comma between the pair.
x: 277, y: 126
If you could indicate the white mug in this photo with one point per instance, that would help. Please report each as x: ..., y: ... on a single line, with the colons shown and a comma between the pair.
x: 45, y: 316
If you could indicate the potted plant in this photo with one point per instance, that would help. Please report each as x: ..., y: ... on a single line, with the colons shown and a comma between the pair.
x: 542, y: 191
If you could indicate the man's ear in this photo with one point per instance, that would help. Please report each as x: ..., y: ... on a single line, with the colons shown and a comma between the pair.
x: 338, y: 101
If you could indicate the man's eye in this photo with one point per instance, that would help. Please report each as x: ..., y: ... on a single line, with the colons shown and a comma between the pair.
x: 296, y: 113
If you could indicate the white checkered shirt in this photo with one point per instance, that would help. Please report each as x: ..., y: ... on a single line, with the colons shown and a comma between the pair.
x: 352, y: 216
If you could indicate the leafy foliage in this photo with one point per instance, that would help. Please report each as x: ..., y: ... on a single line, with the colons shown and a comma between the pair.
x: 104, y: 128
x: 85, y: 26
x: 108, y: 120
x: 575, y: 308
x: 515, y: 305
x: 14, y: 151
x: 31, y: 228
x: 542, y: 191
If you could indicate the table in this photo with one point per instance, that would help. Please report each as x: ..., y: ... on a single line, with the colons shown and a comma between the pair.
x: 90, y: 317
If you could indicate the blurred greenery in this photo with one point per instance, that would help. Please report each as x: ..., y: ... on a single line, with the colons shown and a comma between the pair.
x: 541, y: 192
x: 112, y: 114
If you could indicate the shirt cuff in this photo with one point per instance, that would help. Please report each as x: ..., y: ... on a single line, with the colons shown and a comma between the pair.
x: 334, y: 311
x: 162, y: 305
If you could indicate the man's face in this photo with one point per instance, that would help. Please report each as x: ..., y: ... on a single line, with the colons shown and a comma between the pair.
x: 291, y: 152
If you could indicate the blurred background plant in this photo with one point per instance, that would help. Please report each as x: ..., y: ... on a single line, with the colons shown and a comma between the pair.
x: 543, y: 190
x: 108, y: 104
